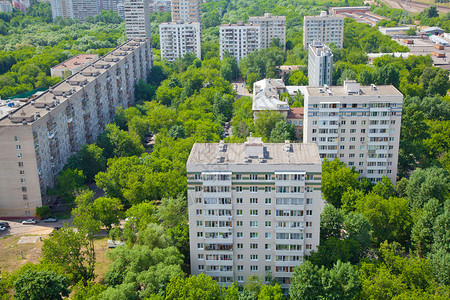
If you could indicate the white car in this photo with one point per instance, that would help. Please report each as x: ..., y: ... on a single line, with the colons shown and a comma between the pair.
x: 29, y: 221
x: 51, y: 220
x: 2, y: 228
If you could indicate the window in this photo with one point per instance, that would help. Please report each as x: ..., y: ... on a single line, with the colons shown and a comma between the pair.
x: 199, y: 245
x: 238, y: 176
x: 198, y: 200
x: 25, y: 197
x: 24, y: 189
x: 352, y: 139
x: 309, y: 235
x: 16, y: 138
x: 308, y: 224
x: 199, y: 212
x: 342, y: 139
x: 199, y: 234
x: 268, y: 177
x: 253, y: 235
x: 240, y: 245
x: 239, y: 235
x: 20, y: 164
x: 309, y: 212
x: 268, y: 201
x: 253, y: 189
x: 351, y: 147
x: 199, y: 223
x: 240, y: 278
x: 240, y: 256
x: 253, y: 177
x: 268, y: 212
x: 353, y: 130
x: 253, y: 200
x: 19, y: 155
x: 253, y: 223
x: 239, y: 212
x: 253, y: 212
x: 309, y: 201
x: 314, y: 122
x: 254, y: 268
x: 253, y: 246
x: 21, y: 172
x: 353, y: 122
x: 267, y: 189
x: 239, y: 223
x: 268, y: 224
x: 268, y: 235
x: 198, y: 188
x: 268, y: 257
x: 342, y: 130
x: 253, y: 256
x: 240, y: 268
x: 351, y: 155
x: 239, y: 189
x: 314, y: 130
x: 197, y: 176
x: 363, y: 131
x: 239, y: 200
x: 201, y: 267
x: 18, y: 147
x: 200, y: 257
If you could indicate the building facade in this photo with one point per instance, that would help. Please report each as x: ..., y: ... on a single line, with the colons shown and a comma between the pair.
x: 108, y: 5
x: 20, y: 5
x: 360, y: 125
x: 254, y: 209
x: 177, y: 39
x: 6, y: 6
x: 160, y: 6
x: 186, y: 11
x: 272, y: 27
x: 37, y: 138
x: 137, y: 19
x: 74, y: 9
x: 239, y: 39
x: 325, y: 28
x: 320, y: 64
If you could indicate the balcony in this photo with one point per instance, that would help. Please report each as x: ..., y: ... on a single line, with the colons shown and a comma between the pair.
x: 51, y: 134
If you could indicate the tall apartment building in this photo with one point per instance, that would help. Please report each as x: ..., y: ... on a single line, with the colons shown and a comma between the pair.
x: 6, y: 6
x: 137, y: 19
x: 360, y: 125
x: 74, y: 9
x: 254, y: 208
x: 121, y: 10
x: 320, y: 64
x: 160, y: 6
x: 108, y: 5
x: 177, y: 39
x: 186, y: 11
x: 239, y: 39
x: 37, y: 138
x: 272, y: 27
x: 325, y: 28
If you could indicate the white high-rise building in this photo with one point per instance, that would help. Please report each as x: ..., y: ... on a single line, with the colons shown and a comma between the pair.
x: 62, y: 8
x: 121, y: 10
x: 37, y: 137
x: 325, y: 28
x: 360, y: 125
x: 108, y: 5
x: 186, y: 11
x: 254, y: 209
x: 272, y: 27
x: 239, y: 39
x: 177, y: 39
x: 6, y: 6
x: 320, y: 64
x: 137, y: 18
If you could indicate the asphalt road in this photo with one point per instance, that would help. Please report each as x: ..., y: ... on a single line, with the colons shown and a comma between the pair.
x: 17, y: 228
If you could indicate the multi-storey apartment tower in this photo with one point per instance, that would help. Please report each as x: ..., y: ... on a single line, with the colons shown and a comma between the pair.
x: 37, y: 138
x: 179, y: 38
x: 239, y: 39
x: 254, y: 209
x: 186, y: 11
x: 272, y: 27
x: 360, y: 125
x: 325, y: 28
x: 320, y: 64
x: 137, y: 18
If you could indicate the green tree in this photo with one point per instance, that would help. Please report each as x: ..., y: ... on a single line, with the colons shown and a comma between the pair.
x: 384, y: 188
x: 425, y: 184
x: 422, y: 230
x: 306, y: 282
x: 144, y: 91
x: 269, y: 292
x: 193, y: 287
x: 336, y: 180
x: 73, y: 251
x: 90, y: 160
x: 108, y: 211
x: 122, y: 143
x: 253, y: 286
x: 282, y: 132
x: 358, y: 228
x: 333, y: 250
x: 69, y: 181
x: 331, y: 220
x: 251, y: 79
x: 91, y: 291
x: 34, y: 285
x: 297, y: 77
x: 43, y: 212
x: 83, y: 213
x: 266, y: 121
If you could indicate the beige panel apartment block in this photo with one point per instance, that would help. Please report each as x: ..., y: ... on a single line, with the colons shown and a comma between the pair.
x: 37, y: 138
x: 137, y: 18
x: 239, y: 39
x: 272, y: 27
x: 186, y: 11
x: 254, y: 208
x: 360, y: 125
x: 177, y: 39
x: 325, y: 28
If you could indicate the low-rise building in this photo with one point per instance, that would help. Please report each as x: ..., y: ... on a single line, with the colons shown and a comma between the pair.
x: 394, y: 31
x: 254, y: 209
x: 73, y: 65
x: 296, y: 116
x: 37, y: 138
x: 266, y: 96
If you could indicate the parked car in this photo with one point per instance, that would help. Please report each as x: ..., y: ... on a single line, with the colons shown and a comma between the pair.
x: 51, y: 219
x: 29, y: 221
x: 2, y: 228
x: 4, y: 224
x: 54, y: 230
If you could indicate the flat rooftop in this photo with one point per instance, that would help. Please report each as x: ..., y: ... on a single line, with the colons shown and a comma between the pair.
x: 425, y: 47
x: 75, y: 61
x: 355, y: 89
x: 266, y: 95
x: 253, y: 152
x: 61, y: 92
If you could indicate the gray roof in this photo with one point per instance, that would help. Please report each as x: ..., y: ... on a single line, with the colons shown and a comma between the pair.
x: 266, y: 97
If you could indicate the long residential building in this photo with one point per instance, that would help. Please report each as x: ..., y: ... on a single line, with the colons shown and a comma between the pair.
x: 74, y: 9
x: 254, y: 209
x: 177, y: 39
x: 272, y: 27
x: 360, y: 125
x: 36, y: 139
x: 239, y: 39
x: 186, y: 11
x: 325, y: 28
x: 320, y: 64
x: 137, y: 19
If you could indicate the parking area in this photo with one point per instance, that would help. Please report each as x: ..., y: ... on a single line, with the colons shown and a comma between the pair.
x: 17, y: 228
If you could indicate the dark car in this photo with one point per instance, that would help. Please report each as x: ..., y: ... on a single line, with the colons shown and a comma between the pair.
x: 4, y: 224
x: 54, y: 230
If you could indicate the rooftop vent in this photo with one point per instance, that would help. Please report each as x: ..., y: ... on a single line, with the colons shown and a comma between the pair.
x: 219, y: 159
x: 247, y: 159
x: 321, y: 90
x: 373, y: 87
x: 287, y: 146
